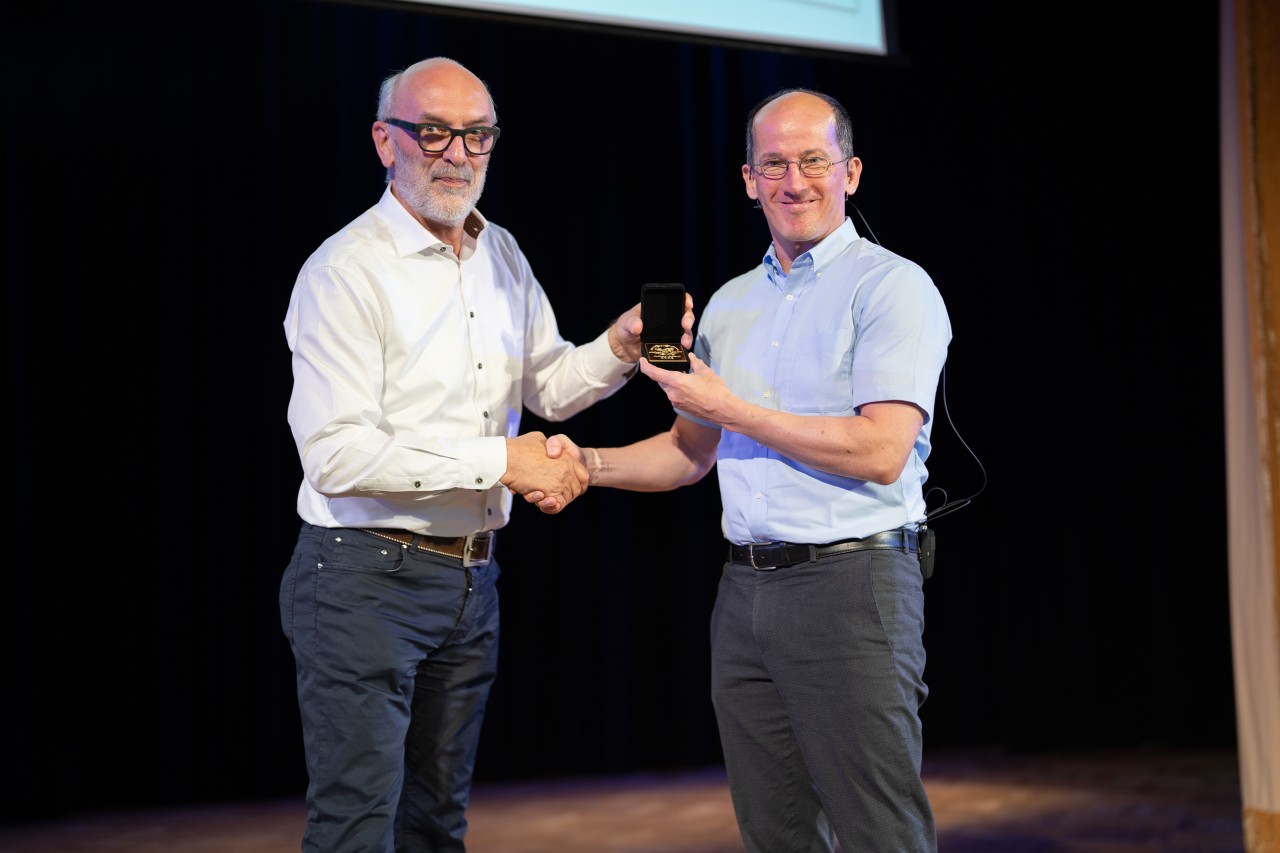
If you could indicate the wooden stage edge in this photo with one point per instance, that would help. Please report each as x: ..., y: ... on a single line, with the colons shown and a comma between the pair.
x: 1146, y: 801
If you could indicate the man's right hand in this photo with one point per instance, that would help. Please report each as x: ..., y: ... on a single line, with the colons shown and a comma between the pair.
x: 530, y: 472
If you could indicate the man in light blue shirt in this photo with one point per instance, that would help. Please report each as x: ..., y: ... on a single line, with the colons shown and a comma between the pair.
x: 811, y: 391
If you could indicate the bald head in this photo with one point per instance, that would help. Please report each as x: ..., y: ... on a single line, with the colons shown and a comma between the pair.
x: 437, y: 73
x: 809, y: 102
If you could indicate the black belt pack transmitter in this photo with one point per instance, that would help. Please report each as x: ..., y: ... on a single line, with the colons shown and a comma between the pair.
x: 926, y: 552
x: 661, y: 310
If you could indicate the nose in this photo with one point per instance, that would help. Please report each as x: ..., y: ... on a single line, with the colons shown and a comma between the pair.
x: 456, y: 153
x: 794, y: 181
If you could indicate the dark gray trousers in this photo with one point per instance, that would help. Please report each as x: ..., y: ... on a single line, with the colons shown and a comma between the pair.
x: 817, y: 680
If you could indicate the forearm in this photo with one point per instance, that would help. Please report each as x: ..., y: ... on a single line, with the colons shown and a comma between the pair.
x: 656, y: 464
x: 857, y: 446
x: 369, y: 463
x: 564, y: 382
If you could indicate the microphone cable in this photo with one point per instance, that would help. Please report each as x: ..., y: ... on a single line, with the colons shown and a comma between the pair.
x: 947, y: 507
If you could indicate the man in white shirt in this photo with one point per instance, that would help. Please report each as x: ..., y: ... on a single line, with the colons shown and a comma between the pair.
x: 418, y: 335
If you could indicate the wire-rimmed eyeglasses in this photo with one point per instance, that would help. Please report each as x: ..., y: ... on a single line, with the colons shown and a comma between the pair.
x: 436, y: 138
x: 810, y: 167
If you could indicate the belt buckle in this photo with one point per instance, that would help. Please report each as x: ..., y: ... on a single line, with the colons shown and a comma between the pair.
x: 751, y: 555
x: 480, y: 544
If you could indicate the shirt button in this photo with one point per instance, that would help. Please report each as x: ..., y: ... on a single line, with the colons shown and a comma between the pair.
x: 775, y: 343
x: 790, y: 297
x: 479, y: 479
x: 768, y: 394
x: 417, y: 484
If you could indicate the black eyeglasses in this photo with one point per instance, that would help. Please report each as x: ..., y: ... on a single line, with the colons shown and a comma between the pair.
x: 436, y: 138
x: 810, y: 167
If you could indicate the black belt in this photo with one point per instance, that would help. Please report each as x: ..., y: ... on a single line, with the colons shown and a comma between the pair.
x: 475, y: 549
x: 779, y: 555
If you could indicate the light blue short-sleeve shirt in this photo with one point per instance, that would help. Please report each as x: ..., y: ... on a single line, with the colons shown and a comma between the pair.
x: 852, y: 323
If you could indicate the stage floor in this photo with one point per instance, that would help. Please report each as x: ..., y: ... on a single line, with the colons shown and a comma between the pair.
x: 1101, y: 802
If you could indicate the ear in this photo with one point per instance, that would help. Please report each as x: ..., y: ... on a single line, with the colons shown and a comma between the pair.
x: 382, y: 142
x: 854, y: 174
x: 748, y: 178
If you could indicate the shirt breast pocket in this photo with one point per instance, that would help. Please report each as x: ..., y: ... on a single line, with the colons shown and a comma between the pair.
x: 817, y: 370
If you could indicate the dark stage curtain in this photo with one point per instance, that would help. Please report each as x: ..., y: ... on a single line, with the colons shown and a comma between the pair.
x: 168, y: 169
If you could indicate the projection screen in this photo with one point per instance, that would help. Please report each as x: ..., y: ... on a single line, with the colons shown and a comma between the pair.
x: 851, y: 27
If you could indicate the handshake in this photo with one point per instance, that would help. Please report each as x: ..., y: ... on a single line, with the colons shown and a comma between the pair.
x: 541, y: 471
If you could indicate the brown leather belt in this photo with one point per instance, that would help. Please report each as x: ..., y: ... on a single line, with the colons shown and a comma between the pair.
x: 475, y: 549
x: 779, y: 555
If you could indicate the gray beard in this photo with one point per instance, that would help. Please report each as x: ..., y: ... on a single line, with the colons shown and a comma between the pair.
x: 435, y: 202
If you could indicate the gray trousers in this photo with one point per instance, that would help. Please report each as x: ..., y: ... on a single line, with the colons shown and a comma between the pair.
x: 817, y: 676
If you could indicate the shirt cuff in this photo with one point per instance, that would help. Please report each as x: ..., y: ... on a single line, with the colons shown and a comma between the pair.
x: 481, y: 461
x: 602, y: 363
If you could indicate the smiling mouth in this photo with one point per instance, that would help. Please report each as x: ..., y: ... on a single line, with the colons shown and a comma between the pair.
x: 452, y: 179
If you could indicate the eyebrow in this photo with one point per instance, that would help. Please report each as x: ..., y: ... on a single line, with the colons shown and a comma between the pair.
x: 427, y: 118
x: 809, y: 152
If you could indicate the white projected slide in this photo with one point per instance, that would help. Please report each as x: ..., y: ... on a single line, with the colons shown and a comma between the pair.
x: 850, y: 26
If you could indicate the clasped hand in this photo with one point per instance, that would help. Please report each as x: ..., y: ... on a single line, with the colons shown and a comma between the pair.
x: 550, y: 482
x: 540, y: 471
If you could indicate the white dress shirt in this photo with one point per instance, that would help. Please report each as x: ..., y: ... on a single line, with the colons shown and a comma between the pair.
x: 412, y: 367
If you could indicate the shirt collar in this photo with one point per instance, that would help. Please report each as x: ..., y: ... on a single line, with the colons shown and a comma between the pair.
x: 407, y: 233
x: 820, y: 255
